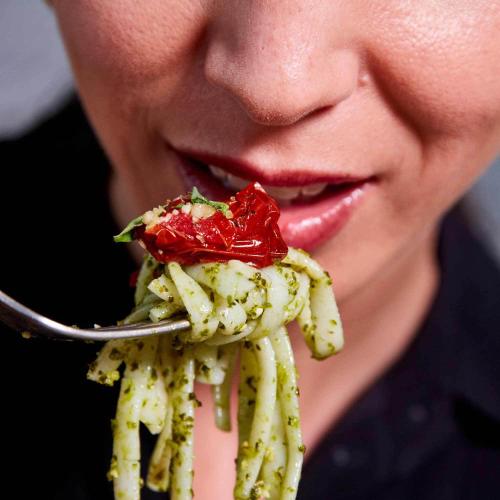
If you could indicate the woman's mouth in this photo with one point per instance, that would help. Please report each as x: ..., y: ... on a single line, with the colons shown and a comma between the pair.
x: 284, y: 195
x: 314, y: 206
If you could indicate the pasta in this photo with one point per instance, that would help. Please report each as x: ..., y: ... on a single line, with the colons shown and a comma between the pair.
x: 238, y: 315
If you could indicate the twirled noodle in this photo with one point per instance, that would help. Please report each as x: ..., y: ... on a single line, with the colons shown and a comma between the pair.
x: 197, y: 303
x: 288, y: 398
x: 222, y: 392
x: 159, y: 465
x: 184, y: 403
x: 251, y: 451
x: 144, y: 277
x: 275, y: 459
x: 277, y: 289
x: 322, y: 328
x: 210, y: 370
x: 236, y: 311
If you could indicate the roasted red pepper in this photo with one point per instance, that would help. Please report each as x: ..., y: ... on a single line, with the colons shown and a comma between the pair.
x: 244, y: 228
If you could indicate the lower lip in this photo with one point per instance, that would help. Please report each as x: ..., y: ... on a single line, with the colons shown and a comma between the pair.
x: 304, y: 224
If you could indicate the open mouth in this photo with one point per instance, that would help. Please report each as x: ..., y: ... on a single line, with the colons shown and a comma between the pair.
x: 284, y: 195
x: 313, y: 207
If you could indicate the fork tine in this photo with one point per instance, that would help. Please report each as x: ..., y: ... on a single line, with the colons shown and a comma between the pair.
x: 175, y: 324
x: 134, y: 331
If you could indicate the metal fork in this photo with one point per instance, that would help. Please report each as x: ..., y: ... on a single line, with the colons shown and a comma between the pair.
x: 23, y: 319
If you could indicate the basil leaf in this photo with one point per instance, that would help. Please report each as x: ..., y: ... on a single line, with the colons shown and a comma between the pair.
x: 197, y: 197
x: 126, y: 235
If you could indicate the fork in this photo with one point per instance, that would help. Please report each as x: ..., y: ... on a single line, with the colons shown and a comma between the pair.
x: 20, y: 317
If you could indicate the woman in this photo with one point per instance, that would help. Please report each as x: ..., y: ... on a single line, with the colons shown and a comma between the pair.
x: 367, y: 121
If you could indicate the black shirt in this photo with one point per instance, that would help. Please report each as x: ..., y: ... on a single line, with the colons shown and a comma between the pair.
x: 428, y: 429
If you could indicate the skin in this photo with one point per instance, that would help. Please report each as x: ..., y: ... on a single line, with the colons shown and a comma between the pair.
x: 406, y: 91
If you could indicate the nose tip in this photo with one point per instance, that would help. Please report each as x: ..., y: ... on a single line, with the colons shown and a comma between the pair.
x: 277, y: 81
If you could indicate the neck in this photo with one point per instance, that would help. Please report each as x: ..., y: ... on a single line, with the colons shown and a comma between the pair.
x: 379, y: 323
x: 398, y: 299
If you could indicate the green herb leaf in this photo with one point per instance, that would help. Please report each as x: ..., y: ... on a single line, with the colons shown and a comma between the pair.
x: 126, y: 235
x: 197, y: 197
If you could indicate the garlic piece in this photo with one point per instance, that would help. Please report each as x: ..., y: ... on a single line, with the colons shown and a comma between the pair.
x: 202, y: 211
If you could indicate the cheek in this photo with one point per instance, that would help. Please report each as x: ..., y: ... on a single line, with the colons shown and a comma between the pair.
x: 128, y: 43
x: 439, y: 62
x: 128, y: 57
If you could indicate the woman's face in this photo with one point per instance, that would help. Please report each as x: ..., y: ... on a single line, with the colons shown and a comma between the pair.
x: 366, y: 118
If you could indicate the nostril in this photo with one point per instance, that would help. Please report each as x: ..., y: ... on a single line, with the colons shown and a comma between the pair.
x: 319, y: 111
x: 277, y: 114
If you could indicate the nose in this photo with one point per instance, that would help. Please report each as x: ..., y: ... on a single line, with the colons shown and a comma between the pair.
x: 281, y: 61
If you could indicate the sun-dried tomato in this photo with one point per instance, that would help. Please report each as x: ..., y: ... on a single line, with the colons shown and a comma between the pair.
x: 247, y: 230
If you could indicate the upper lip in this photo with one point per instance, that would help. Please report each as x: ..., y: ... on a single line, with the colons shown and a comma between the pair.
x: 284, y: 176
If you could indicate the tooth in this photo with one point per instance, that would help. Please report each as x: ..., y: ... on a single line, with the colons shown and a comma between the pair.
x: 313, y: 189
x: 283, y: 193
x: 278, y: 192
x: 218, y: 172
x: 236, y: 182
